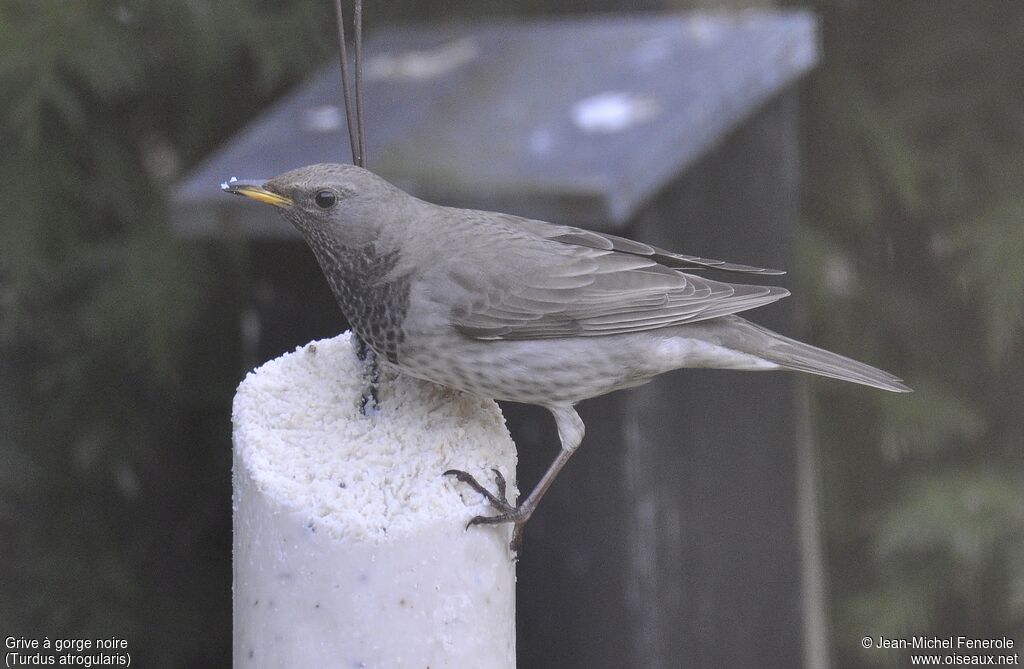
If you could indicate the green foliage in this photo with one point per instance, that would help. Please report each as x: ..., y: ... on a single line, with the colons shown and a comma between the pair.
x: 102, y: 396
x: 933, y: 420
x: 913, y: 180
x: 946, y: 551
x: 993, y: 245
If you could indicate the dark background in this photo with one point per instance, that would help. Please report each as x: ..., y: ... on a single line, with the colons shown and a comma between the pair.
x: 120, y: 342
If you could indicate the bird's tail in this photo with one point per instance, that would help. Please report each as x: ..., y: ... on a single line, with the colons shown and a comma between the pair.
x: 788, y: 353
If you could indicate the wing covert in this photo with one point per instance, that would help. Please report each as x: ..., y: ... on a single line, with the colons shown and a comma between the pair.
x: 551, y: 289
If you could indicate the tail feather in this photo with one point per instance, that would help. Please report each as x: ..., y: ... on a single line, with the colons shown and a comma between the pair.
x: 788, y: 353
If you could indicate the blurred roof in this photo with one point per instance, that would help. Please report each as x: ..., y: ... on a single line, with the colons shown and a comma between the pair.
x: 569, y: 120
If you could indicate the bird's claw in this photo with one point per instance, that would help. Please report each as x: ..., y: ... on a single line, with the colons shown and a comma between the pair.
x: 506, y: 512
x: 499, y: 501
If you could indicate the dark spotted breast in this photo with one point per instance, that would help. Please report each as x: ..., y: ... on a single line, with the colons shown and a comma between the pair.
x: 373, y: 302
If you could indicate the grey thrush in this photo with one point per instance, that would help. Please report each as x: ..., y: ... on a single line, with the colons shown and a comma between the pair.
x: 521, y: 310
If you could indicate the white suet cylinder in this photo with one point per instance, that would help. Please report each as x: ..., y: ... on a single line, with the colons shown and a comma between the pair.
x: 350, y: 547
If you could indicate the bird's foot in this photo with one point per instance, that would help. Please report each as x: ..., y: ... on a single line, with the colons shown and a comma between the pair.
x: 499, y: 501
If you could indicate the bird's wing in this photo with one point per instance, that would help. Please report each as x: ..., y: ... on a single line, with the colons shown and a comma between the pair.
x: 543, y: 287
x: 567, y: 234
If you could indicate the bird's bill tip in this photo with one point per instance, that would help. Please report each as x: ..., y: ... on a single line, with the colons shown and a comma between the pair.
x: 255, y: 190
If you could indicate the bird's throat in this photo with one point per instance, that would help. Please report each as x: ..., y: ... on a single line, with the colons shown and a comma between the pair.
x: 373, y: 300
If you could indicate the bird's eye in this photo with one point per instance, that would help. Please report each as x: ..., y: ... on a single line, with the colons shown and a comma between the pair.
x: 325, y: 199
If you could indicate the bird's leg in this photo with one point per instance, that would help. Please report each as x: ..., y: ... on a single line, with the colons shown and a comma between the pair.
x: 570, y: 433
x: 369, y: 359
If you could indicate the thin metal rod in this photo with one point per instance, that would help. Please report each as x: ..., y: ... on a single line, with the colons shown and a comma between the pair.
x: 346, y: 89
x: 360, y: 132
x: 354, y: 119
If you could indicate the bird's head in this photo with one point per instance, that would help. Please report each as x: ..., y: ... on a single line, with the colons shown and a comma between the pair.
x: 333, y: 203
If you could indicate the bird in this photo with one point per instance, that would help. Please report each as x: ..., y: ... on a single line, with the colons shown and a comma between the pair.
x: 521, y: 310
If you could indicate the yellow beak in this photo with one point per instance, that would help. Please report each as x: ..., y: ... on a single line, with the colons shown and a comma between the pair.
x: 256, y: 192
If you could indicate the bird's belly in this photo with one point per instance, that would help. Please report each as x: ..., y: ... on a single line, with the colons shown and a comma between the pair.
x: 545, y: 371
x: 567, y: 370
